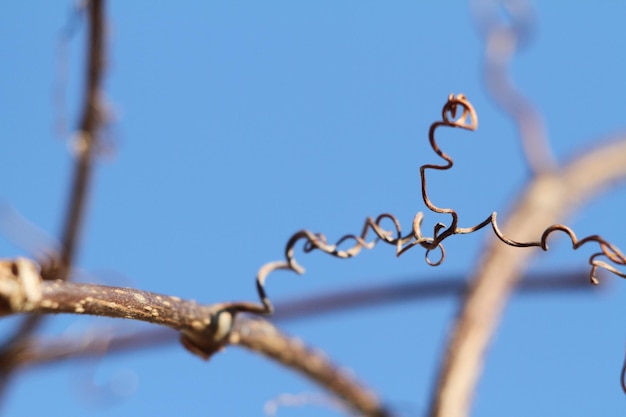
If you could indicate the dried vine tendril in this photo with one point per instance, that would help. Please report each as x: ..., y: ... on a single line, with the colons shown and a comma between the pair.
x: 457, y: 113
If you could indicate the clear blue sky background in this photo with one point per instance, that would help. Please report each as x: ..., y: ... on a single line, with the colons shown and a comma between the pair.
x: 238, y: 123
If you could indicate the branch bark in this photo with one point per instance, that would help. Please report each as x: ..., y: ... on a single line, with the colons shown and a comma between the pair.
x: 110, y: 341
x: 204, y: 329
x: 548, y: 199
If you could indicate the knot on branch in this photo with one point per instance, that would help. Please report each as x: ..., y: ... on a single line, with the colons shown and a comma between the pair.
x: 205, y: 338
x: 20, y: 286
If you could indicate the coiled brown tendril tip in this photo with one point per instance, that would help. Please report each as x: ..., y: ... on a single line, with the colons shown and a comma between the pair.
x: 466, y: 120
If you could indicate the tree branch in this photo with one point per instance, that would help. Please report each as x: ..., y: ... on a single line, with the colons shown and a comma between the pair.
x: 261, y: 336
x: 205, y: 329
x: 91, y: 120
x: 548, y: 199
x: 40, y: 352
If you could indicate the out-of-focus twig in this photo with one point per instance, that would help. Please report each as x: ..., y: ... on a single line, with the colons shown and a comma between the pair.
x: 622, y: 376
x: 261, y: 336
x: 547, y: 199
x: 502, y: 40
x: 416, y: 290
x: 58, y: 267
x: 91, y: 120
x: 73, y: 23
x: 22, y: 233
x: 301, y: 400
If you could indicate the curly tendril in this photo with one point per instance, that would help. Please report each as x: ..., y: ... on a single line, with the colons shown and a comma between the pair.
x: 456, y: 113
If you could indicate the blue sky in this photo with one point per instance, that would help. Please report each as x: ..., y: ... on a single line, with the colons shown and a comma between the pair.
x: 237, y: 124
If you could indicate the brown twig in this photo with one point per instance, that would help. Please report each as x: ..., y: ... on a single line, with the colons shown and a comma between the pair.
x: 547, y: 199
x: 415, y: 290
x: 261, y: 336
x: 91, y: 120
x: 40, y: 352
x: 204, y: 329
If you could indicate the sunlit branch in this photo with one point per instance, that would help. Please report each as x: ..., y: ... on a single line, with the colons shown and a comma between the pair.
x: 110, y: 341
x: 548, y: 198
x: 204, y: 329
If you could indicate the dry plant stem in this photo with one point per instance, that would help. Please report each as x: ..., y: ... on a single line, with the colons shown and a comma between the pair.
x: 205, y: 328
x: 261, y: 336
x: 549, y: 198
x: 41, y: 352
x: 85, y: 146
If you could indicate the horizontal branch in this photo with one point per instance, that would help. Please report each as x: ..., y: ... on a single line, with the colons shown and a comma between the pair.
x: 47, y: 351
x: 204, y: 329
x: 23, y: 291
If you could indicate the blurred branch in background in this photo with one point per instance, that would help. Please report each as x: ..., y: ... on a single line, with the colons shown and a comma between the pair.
x: 506, y: 27
x: 85, y: 143
x: 550, y: 196
x: 91, y: 120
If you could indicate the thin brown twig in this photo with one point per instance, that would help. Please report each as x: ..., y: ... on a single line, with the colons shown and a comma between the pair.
x: 91, y: 120
x: 547, y: 199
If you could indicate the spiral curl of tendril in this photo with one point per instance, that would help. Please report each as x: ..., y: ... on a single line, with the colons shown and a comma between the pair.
x: 458, y: 112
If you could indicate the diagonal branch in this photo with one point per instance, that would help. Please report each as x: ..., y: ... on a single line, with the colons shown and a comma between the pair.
x: 204, y: 329
x: 547, y: 199
x: 261, y: 336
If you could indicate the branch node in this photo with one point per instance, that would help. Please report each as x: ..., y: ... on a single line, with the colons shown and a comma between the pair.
x: 20, y: 286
